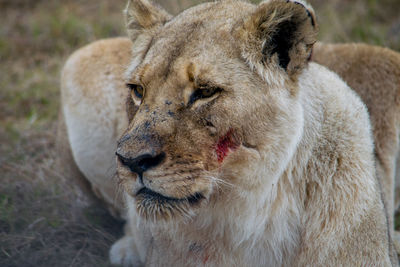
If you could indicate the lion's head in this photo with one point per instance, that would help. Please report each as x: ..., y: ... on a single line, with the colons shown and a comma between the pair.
x: 217, y: 96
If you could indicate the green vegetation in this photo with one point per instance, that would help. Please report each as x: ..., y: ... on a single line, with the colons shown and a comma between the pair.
x: 41, y: 223
x: 370, y: 21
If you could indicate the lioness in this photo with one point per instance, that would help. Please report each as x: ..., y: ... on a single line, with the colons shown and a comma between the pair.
x: 238, y: 150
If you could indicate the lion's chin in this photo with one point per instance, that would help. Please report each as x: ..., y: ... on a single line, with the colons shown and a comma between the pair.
x: 154, y: 206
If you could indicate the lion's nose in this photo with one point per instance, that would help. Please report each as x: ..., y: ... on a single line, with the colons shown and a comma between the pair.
x: 141, y: 163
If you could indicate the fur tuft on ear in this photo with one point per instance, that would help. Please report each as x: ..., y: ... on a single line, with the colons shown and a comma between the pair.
x: 279, y: 32
x: 142, y: 15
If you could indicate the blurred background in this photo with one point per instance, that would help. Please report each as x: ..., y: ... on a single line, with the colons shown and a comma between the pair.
x: 40, y: 222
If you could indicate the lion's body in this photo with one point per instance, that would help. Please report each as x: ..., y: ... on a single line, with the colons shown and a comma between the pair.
x: 93, y: 95
x: 312, y: 199
x: 270, y: 235
x: 374, y: 73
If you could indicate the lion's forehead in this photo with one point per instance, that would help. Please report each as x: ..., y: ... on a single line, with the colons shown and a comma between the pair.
x: 170, y: 63
x: 198, y: 30
x: 213, y: 15
x: 200, y: 35
x: 188, y: 39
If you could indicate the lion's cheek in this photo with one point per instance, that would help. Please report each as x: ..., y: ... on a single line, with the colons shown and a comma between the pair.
x: 239, y: 165
x: 225, y: 145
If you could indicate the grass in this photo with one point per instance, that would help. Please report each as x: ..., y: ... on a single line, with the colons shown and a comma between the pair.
x: 41, y: 223
x: 370, y: 21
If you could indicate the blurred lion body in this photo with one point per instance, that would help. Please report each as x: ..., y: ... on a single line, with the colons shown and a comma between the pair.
x: 374, y: 73
x: 93, y: 106
x: 93, y: 117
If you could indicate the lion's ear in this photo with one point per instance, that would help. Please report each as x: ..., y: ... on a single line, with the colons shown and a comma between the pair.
x: 143, y: 16
x: 278, y: 32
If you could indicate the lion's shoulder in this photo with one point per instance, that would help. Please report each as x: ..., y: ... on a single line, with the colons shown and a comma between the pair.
x: 374, y: 74
x: 365, y: 68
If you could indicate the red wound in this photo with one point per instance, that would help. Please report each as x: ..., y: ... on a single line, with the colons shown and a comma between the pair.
x: 224, y: 145
x: 206, y: 259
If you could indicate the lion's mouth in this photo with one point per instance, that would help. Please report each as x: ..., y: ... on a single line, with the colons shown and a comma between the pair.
x: 153, y: 205
x: 154, y: 196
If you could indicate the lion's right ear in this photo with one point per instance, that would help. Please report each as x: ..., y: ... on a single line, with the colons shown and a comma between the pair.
x: 143, y: 16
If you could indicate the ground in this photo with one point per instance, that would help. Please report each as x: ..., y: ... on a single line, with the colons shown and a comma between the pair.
x: 41, y: 223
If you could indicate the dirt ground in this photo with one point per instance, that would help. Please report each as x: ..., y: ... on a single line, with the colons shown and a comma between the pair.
x: 41, y: 223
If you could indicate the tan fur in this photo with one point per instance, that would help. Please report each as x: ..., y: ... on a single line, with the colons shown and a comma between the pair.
x: 374, y: 73
x: 297, y: 189
x: 93, y: 94
x: 362, y: 67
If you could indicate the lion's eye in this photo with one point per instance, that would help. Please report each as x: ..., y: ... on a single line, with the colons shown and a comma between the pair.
x: 204, y: 93
x: 136, y: 90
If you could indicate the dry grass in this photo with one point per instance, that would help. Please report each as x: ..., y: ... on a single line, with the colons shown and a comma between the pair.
x: 41, y: 224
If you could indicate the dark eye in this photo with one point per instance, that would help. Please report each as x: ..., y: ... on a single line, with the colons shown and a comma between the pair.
x: 204, y: 93
x: 136, y: 90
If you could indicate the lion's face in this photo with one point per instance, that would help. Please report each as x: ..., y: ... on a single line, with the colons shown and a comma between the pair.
x: 208, y: 116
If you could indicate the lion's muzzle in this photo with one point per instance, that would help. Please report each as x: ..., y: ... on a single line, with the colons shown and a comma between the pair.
x: 140, y: 150
x: 141, y: 163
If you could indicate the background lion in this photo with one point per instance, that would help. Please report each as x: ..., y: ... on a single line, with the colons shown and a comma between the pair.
x: 97, y: 112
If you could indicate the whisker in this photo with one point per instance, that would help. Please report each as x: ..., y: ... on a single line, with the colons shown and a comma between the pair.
x: 219, y: 181
x: 181, y: 173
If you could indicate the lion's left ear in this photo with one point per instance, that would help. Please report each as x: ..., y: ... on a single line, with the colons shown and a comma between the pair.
x: 142, y: 16
x: 279, y: 32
